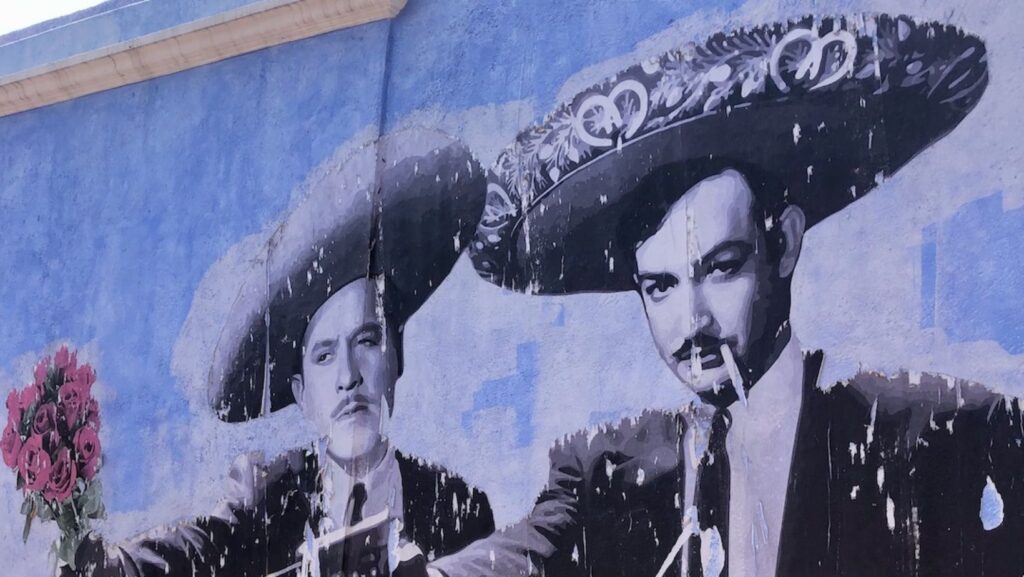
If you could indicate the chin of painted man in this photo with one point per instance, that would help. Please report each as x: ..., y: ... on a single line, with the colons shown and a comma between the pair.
x: 716, y: 296
x: 349, y: 370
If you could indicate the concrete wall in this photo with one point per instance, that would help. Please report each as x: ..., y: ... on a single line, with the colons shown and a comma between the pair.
x: 128, y: 216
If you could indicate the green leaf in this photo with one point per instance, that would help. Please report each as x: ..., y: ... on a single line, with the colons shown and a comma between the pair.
x: 28, y: 525
x: 94, y: 498
x: 40, y: 503
x: 66, y: 518
x: 28, y: 416
x: 25, y: 427
x: 88, y: 502
x: 26, y: 506
x: 67, y: 547
x: 54, y: 379
x: 46, y: 513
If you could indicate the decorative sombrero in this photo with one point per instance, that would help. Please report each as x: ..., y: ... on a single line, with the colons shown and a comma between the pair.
x: 402, y: 207
x: 828, y: 106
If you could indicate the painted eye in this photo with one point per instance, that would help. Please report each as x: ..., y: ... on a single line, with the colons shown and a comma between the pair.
x: 724, y: 267
x: 368, y: 340
x: 323, y: 358
x: 657, y: 288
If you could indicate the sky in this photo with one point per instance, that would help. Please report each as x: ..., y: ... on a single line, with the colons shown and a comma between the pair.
x: 18, y: 14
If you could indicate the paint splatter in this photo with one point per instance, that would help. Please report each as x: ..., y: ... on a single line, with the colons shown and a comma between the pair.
x: 991, y: 506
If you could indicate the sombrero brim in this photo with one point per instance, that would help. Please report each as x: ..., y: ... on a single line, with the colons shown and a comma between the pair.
x: 556, y: 199
x: 402, y: 207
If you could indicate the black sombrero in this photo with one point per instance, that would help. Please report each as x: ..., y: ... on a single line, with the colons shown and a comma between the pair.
x: 402, y: 207
x: 828, y: 106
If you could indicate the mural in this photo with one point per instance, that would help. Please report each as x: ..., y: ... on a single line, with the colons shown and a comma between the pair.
x: 482, y: 341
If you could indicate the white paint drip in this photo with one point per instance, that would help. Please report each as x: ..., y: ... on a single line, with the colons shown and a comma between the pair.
x: 991, y: 506
x: 688, y: 529
x: 890, y: 513
x: 734, y: 373
x: 712, y: 552
x: 871, y: 425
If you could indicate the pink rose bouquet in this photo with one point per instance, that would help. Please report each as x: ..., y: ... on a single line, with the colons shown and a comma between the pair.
x: 51, y: 442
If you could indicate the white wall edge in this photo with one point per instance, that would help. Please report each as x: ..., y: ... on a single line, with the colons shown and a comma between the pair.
x: 247, y: 29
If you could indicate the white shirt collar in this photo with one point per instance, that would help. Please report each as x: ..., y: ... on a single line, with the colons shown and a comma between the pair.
x: 760, y: 446
x: 780, y: 384
x: 786, y: 371
x: 383, y: 486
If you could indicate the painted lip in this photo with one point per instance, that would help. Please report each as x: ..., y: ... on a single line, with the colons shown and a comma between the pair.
x: 350, y: 407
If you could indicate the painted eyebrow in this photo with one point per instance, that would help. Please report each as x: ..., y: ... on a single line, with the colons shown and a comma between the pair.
x: 642, y: 276
x: 322, y: 344
x: 371, y: 326
x: 725, y: 245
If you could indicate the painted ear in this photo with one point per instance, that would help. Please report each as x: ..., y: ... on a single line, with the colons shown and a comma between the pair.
x: 297, y: 387
x: 793, y: 223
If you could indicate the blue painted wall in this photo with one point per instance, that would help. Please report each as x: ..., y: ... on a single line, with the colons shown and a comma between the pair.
x: 114, y: 206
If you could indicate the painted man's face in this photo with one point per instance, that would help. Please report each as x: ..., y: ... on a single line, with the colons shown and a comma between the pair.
x: 707, y: 281
x: 347, y: 370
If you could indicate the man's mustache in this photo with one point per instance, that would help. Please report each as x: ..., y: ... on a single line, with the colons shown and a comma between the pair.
x: 703, y: 342
x: 350, y: 404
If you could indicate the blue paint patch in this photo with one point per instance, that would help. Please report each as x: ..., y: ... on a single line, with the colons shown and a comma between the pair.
x: 928, y: 278
x: 978, y: 279
x: 602, y: 417
x: 559, y: 309
x: 516, y: 392
x: 494, y: 52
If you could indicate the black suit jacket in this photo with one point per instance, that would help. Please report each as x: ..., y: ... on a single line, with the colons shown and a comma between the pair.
x: 257, y: 529
x: 611, y: 506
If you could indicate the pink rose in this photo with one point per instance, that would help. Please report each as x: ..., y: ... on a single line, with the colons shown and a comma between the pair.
x: 34, y: 464
x: 14, y: 407
x: 63, y: 359
x: 42, y: 367
x: 87, y: 445
x: 62, y: 479
x: 84, y: 377
x: 92, y: 414
x: 10, y: 445
x: 45, y: 419
x: 72, y: 400
x: 29, y: 395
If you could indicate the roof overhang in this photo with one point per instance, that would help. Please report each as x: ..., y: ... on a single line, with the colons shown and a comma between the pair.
x: 247, y: 29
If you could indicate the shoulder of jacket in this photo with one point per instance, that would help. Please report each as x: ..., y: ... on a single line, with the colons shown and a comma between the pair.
x: 419, y: 471
x: 916, y: 390
x: 928, y: 402
x: 626, y: 435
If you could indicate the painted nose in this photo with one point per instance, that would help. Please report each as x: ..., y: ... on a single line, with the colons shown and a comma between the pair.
x: 348, y: 376
x: 699, y: 320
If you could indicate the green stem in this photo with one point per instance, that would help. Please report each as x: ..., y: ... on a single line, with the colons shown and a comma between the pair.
x: 28, y: 523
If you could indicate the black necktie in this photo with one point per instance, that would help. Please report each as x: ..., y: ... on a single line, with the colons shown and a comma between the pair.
x: 356, y: 501
x: 711, y: 495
